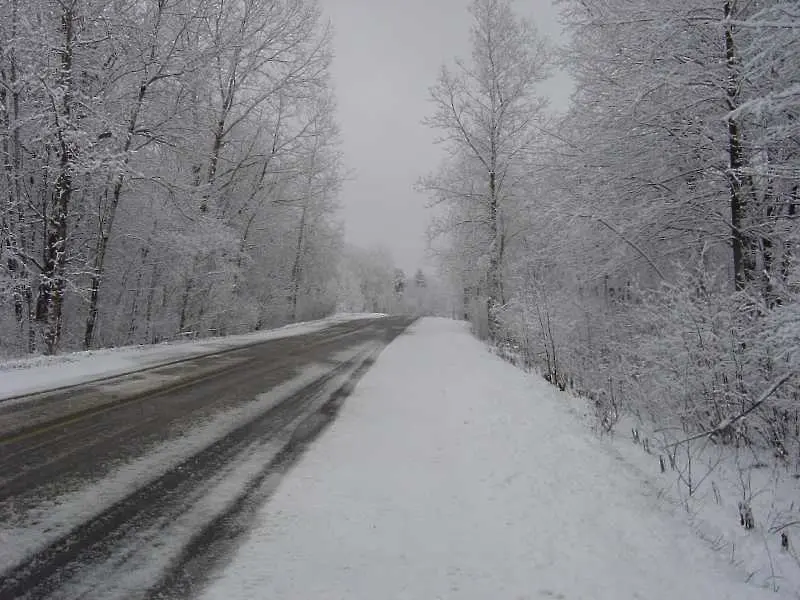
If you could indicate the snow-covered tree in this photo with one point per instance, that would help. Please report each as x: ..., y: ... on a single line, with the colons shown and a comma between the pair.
x: 651, y: 233
x: 171, y: 168
x: 486, y: 110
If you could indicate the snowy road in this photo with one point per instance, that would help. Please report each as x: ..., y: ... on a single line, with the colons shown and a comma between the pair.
x: 122, y: 488
x: 450, y: 474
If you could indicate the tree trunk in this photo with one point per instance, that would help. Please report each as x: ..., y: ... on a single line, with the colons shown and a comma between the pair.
x: 228, y: 96
x: 134, y: 315
x: 53, y: 283
x: 148, y: 313
x: 743, y: 266
x: 13, y: 216
x: 94, y: 290
x: 493, y: 278
x: 297, y: 268
x: 185, y: 304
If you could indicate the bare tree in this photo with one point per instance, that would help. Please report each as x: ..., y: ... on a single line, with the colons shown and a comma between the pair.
x: 487, y: 110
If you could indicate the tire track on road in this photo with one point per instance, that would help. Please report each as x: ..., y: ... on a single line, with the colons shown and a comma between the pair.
x: 293, y: 421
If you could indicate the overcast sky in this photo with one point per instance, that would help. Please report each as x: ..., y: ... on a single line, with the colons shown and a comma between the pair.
x: 388, y: 53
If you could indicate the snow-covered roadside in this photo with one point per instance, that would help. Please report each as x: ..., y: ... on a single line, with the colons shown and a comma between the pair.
x: 721, y: 477
x: 452, y: 474
x: 705, y: 487
x: 41, y: 373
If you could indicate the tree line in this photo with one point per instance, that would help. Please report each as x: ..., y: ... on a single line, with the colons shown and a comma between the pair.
x: 640, y: 247
x: 169, y: 167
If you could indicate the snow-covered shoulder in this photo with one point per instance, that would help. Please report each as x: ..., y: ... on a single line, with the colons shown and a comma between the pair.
x: 452, y: 474
x: 42, y: 373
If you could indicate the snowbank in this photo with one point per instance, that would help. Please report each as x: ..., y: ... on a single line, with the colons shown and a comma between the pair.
x: 451, y: 474
x: 41, y: 373
x: 721, y: 476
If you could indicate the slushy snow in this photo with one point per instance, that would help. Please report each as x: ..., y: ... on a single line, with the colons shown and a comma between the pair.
x: 452, y: 474
x: 44, y: 373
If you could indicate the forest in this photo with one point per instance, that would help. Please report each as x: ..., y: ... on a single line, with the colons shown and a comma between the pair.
x: 171, y: 169
x: 641, y: 247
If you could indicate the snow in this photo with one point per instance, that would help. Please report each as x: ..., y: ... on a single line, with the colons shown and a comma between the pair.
x: 32, y: 375
x: 152, y: 550
x: 723, y: 476
x: 452, y: 474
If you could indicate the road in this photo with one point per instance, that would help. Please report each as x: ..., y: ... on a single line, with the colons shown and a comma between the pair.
x: 141, y: 485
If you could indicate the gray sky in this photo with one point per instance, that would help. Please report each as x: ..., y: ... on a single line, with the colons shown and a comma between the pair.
x: 388, y: 53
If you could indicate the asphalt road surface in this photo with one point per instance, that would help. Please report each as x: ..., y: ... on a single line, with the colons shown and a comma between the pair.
x: 78, y: 521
